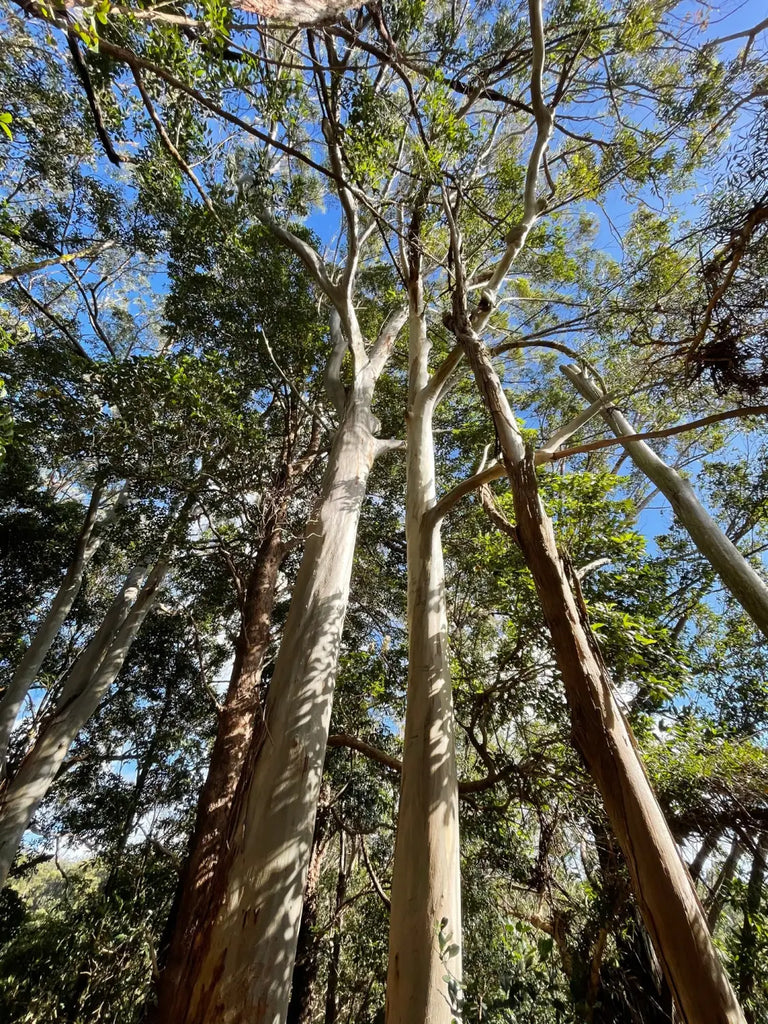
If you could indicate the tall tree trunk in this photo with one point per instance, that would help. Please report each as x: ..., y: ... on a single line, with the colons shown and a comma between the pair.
x: 234, y: 732
x: 425, y: 923
x: 663, y: 888
x: 307, y: 963
x: 731, y: 566
x: 704, y: 853
x: 239, y: 969
x: 332, y: 988
x: 748, y: 964
x: 92, y: 675
x: 719, y: 894
x: 144, y: 767
x: 26, y: 671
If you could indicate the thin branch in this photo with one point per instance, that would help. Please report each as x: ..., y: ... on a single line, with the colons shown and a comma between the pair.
x: 748, y: 34
x: 384, y: 344
x: 31, y: 268
x: 593, y: 446
x: 82, y: 72
x: 573, y: 425
x: 306, y: 253
x: 373, y: 876
x: 532, y: 206
x: 167, y: 142
x: 344, y: 739
x: 495, y: 514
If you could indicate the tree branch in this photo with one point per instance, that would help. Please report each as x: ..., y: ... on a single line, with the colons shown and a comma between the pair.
x: 166, y: 141
x: 31, y: 268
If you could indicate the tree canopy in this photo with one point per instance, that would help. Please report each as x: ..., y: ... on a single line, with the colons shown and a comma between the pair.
x: 383, y: 509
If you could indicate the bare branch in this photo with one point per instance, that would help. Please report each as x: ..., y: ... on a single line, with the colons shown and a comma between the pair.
x: 82, y: 72
x: 308, y: 256
x: 532, y: 206
x: 373, y: 876
x: 31, y: 268
x: 572, y: 426
x: 718, y: 417
x: 385, y: 342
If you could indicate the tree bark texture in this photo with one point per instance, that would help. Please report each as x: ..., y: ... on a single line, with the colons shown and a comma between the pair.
x: 298, y: 12
x: 425, y: 923
x: 307, y: 963
x: 34, y: 656
x: 744, y: 583
x: 234, y: 732
x: 663, y: 888
x: 240, y: 967
x: 92, y: 675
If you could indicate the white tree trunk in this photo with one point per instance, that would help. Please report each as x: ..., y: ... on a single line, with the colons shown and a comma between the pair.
x: 90, y: 678
x: 245, y: 959
x: 26, y: 672
x: 725, y: 558
x: 425, y: 924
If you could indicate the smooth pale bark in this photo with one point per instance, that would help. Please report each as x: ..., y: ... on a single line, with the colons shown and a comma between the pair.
x: 426, y: 883
x: 93, y: 674
x: 234, y: 732
x: 663, y: 888
x: 242, y: 965
x: 26, y: 671
x: 744, y: 583
x: 307, y: 964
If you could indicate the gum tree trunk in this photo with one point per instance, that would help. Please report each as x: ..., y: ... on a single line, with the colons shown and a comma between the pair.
x: 93, y: 674
x: 233, y: 736
x: 425, y: 923
x: 332, y: 987
x: 731, y: 566
x: 307, y: 964
x: 239, y: 969
x: 663, y: 888
x: 34, y: 656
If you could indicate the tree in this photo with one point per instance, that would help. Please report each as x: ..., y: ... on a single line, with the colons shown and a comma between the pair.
x: 452, y: 126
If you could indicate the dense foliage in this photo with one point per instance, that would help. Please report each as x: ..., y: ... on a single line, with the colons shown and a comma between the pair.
x: 163, y: 355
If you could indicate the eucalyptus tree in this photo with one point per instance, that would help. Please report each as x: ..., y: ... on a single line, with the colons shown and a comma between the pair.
x: 578, y: 63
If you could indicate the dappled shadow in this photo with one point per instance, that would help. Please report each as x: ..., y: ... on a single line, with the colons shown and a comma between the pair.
x: 425, y: 936
x: 242, y: 964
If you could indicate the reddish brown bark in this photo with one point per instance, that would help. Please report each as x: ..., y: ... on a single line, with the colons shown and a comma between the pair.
x: 197, y: 900
x: 662, y: 886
